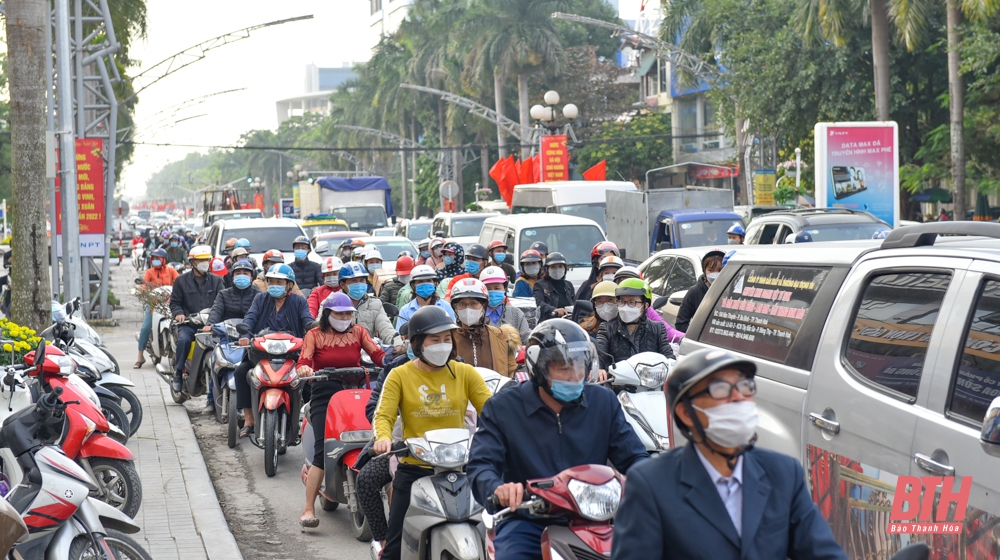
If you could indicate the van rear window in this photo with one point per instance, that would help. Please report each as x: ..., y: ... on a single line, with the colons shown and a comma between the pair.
x: 762, y: 310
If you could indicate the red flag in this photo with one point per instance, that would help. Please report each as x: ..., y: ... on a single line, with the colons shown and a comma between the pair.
x: 500, y: 172
x: 527, y: 174
x: 598, y: 172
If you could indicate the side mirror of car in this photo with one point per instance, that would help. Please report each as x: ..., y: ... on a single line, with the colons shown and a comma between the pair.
x: 243, y: 328
x: 322, y: 247
x: 622, y: 251
x: 989, y: 437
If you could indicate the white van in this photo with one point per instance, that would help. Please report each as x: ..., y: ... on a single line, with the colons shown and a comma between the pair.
x: 573, y: 237
x: 583, y: 199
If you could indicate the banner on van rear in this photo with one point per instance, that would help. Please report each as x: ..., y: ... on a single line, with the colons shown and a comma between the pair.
x: 857, y: 167
x: 555, y: 158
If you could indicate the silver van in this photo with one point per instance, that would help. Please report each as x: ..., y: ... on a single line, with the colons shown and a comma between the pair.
x: 875, y: 360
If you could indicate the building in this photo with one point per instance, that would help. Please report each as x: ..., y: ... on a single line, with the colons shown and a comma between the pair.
x: 386, y: 17
x: 320, y: 82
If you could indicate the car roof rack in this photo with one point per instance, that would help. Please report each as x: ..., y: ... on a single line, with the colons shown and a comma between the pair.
x: 923, y: 235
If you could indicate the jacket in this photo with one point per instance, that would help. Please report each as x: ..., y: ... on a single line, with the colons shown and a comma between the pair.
x: 524, y: 287
x: 593, y: 432
x: 176, y: 254
x: 673, y: 335
x: 261, y: 284
x: 377, y: 385
x: 551, y: 295
x: 316, y: 297
x: 692, y: 300
x: 297, y: 318
x: 308, y: 274
x: 390, y: 291
x: 615, y: 343
x: 372, y: 316
x: 515, y: 318
x: 188, y: 296
x: 158, y: 276
x: 232, y: 303
x: 502, y: 352
x: 672, y: 509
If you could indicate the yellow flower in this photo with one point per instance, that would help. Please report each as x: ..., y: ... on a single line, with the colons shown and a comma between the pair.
x: 31, y: 332
x: 8, y: 348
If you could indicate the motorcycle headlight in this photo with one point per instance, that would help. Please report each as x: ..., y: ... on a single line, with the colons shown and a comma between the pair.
x: 493, y: 384
x: 256, y: 376
x: 356, y: 436
x: 443, y: 455
x: 597, y: 502
x: 652, y: 376
x: 277, y: 346
x: 65, y: 363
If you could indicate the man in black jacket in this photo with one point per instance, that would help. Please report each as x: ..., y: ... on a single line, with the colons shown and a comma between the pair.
x: 232, y: 303
x: 192, y: 292
x: 711, y: 263
x: 631, y: 332
x: 554, y: 294
x: 308, y: 274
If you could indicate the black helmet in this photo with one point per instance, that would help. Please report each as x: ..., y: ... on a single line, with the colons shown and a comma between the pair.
x: 559, y: 340
x: 430, y: 320
x: 541, y: 247
x: 712, y: 253
x: 693, y: 368
x: 555, y: 258
x: 300, y: 240
x: 476, y: 250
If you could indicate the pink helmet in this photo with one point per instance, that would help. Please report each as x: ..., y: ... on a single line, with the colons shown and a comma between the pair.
x: 338, y: 301
x: 493, y: 275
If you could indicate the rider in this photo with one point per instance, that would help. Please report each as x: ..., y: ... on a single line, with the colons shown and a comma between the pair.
x: 330, y: 268
x: 230, y: 245
x: 539, y: 429
x: 423, y: 283
x: 335, y: 343
x: 436, y: 259
x: 605, y: 308
x: 626, y: 272
x: 499, y: 312
x: 736, y: 234
x: 405, y: 395
x: 631, y: 332
x: 711, y: 263
x: 232, y: 303
x: 554, y: 294
x: 390, y: 289
x: 476, y: 258
x: 498, y: 257
x: 453, y: 265
x: 372, y: 261
x: 282, y: 311
x: 371, y: 315
x: 175, y: 250
x: 307, y: 273
x: 423, y: 251
x: 270, y: 259
x: 477, y: 342
x: 606, y: 269
x: 192, y: 292
x: 531, y: 271
x: 597, y: 254
x: 159, y: 274
x: 718, y: 496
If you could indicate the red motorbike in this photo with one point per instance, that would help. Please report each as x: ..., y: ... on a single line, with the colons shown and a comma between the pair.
x: 346, y: 432
x: 587, y: 496
x: 86, y: 439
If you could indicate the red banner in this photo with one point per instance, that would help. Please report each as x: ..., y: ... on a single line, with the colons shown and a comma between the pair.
x: 705, y: 172
x: 89, y: 186
x: 555, y: 158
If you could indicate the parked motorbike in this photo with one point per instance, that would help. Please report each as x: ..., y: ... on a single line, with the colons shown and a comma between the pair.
x: 226, y: 356
x: 110, y: 403
x: 639, y: 382
x: 12, y: 527
x: 586, y: 497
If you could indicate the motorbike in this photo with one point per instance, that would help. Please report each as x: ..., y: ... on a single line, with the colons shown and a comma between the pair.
x: 274, y: 387
x: 586, y: 496
x: 110, y: 403
x: 226, y: 356
x: 12, y: 527
x: 195, y: 382
x: 159, y: 345
x: 639, y: 383
x: 138, y: 260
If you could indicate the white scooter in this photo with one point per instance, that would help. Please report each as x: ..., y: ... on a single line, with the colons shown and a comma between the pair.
x: 138, y: 257
x: 160, y: 345
x: 639, y: 382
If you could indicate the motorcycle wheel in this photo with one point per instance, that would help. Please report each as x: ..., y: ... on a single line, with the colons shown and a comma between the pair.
x: 125, y: 547
x: 134, y: 409
x: 121, y: 483
x: 222, y: 406
x: 359, y: 523
x: 234, y: 424
x: 270, y: 433
x: 179, y: 398
x: 116, y: 417
x: 82, y: 548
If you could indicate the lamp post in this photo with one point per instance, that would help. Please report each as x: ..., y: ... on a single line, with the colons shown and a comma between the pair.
x: 545, y: 116
x: 798, y: 168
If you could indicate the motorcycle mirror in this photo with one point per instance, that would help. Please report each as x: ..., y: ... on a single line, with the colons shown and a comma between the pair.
x: 138, y: 281
x: 243, y: 328
x: 40, y: 355
x: 390, y: 309
x: 660, y: 302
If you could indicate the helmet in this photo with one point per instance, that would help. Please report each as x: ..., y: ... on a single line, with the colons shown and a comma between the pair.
x: 693, y: 368
x: 338, y: 301
x: 357, y: 243
x: 531, y: 255
x: 165, y: 234
x: 611, y: 260
x: 239, y: 252
x: 174, y: 236
x: 728, y: 256
x: 423, y: 272
x: 423, y: 243
x: 331, y: 264
x: 634, y: 287
x: 604, y: 289
x: 541, y: 247
x: 559, y: 340
x: 352, y: 270
x: 282, y: 271
x: 360, y: 252
x: 274, y: 255
x: 602, y: 248
x: 300, y: 240
x: 627, y: 272
x: 230, y: 243
x: 493, y: 275
x: 495, y: 244
x: 880, y: 234
x: 712, y: 253
x: 200, y: 252
x: 242, y: 264
x: 437, y: 242
x: 218, y: 266
x: 404, y: 265
x: 469, y: 288
x: 737, y: 229
x: 404, y: 253
x: 555, y: 258
x: 477, y: 251
x: 161, y: 253
x: 430, y: 319
x: 800, y: 237
x: 244, y: 243
x: 372, y: 254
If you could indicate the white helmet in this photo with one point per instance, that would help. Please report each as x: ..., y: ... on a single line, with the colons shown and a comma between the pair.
x: 332, y: 264
x: 422, y: 272
x: 372, y: 254
x: 469, y: 287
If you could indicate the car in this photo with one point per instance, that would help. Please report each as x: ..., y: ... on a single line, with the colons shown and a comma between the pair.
x: 334, y: 239
x: 822, y: 224
x: 414, y: 230
x: 315, y: 224
x: 384, y: 232
x: 875, y: 360
x: 121, y: 230
x: 584, y: 199
x: 460, y: 227
x: 246, y: 214
x: 670, y: 273
x: 390, y: 248
x: 362, y: 217
x: 752, y: 212
x: 264, y: 234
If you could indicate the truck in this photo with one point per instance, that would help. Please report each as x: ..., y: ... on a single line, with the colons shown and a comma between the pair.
x: 583, y: 199
x: 647, y: 221
x: 363, y: 202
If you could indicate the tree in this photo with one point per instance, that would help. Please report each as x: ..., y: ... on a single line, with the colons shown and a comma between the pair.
x: 631, y: 148
x: 27, y: 51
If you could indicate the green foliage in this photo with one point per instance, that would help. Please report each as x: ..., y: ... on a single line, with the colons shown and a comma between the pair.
x: 631, y: 148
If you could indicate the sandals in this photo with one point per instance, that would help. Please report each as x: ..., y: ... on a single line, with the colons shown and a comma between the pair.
x: 309, y: 522
x: 246, y: 431
x: 138, y: 364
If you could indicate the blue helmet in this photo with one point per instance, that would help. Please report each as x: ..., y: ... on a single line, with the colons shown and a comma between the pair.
x: 728, y: 256
x: 352, y: 269
x: 282, y: 271
x: 800, y: 237
x: 737, y: 229
x: 242, y: 242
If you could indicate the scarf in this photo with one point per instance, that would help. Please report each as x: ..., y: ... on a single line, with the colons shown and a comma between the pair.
x: 456, y: 268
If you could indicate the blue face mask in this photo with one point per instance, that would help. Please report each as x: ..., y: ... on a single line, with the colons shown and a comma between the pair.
x: 276, y: 291
x: 374, y: 266
x: 410, y: 354
x: 357, y: 291
x: 496, y: 298
x: 301, y: 254
x: 471, y: 267
x: 173, y: 244
x: 449, y: 260
x: 157, y: 263
x: 425, y: 254
x: 425, y: 290
x: 500, y: 257
x: 242, y: 281
x: 566, y: 391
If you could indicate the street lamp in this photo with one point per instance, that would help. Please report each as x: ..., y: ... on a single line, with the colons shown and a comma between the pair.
x: 798, y: 167
x: 546, y: 114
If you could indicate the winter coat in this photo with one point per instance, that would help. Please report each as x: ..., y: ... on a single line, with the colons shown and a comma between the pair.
x: 515, y: 318
x: 308, y: 274
x: 692, y: 300
x: 457, y: 267
x: 371, y: 315
x: 615, y: 343
x: 296, y: 315
x: 524, y: 287
x: 189, y: 296
x: 502, y: 343
x: 389, y: 292
x: 551, y: 294
x: 317, y: 295
x: 232, y: 303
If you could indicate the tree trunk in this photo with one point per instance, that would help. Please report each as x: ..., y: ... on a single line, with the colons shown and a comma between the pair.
x: 956, y: 98
x: 28, y: 55
x: 525, y: 117
x: 498, y: 81
x: 880, y: 57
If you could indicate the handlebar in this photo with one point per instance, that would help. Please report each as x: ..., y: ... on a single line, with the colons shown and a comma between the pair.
x: 398, y: 447
x: 339, y: 374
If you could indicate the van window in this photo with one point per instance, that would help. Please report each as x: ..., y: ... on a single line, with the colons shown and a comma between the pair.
x: 762, y: 309
x: 574, y: 242
x: 767, y: 234
x: 977, y: 381
x: 656, y: 274
x: 892, y: 328
x: 681, y: 276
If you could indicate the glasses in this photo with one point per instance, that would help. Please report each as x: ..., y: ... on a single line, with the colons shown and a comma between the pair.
x: 720, y: 390
x: 630, y: 303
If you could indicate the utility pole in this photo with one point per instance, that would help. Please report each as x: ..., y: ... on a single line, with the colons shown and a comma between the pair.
x: 402, y: 166
x: 72, y: 271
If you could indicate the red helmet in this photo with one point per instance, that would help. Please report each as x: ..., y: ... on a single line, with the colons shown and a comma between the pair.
x: 604, y: 247
x: 495, y: 244
x: 273, y: 255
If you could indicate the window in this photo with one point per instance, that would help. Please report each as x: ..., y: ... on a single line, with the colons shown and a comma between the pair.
x: 977, y: 381
x: 687, y: 112
x: 753, y: 234
x: 762, y: 309
x: 783, y: 234
x: 467, y: 227
x: 681, y: 276
x: 499, y: 235
x: 574, y: 242
x: 767, y: 233
x: 705, y: 232
x: 265, y: 238
x: 439, y: 226
x: 656, y: 274
x: 893, y: 326
x: 708, y: 115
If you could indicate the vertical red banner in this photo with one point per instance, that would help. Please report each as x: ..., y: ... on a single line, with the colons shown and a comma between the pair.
x: 89, y: 186
x: 555, y: 158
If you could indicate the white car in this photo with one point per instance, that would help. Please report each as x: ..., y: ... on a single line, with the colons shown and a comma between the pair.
x: 460, y: 227
x: 671, y: 273
x: 264, y: 234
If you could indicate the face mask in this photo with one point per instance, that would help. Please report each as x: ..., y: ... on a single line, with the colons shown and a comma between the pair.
x: 471, y: 267
x: 449, y: 260
x: 347, y: 256
x: 374, y: 266
x: 629, y: 314
x: 470, y: 316
x: 731, y: 424
x: 437, y: 354
x: 608, y: 277
x: 567, y: 391
x: 734, y: 241
x: 712, y: 276
x: 202, y: 267
x: 157, y: 263
x: 405, y: 279
x: 425, y: 290
x: 497, y: 297
x: 357, y: 291
x: 557, y: 273
x: 300, y: 254
x: 437, y: 253
x: 173, y: 244
x: 339, y: 325
x: 410, y: 354
x: 242, y: 281
x: 425, y: 254
x: 607, y: 311
x: 532, y: 269
x: 500, y: 257
x: 276, y: 291
x: 330, y: 281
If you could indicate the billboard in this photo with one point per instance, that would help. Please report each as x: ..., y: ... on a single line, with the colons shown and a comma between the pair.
x: 555, y: 158
x: 90, y: 198
x: 857, y: 167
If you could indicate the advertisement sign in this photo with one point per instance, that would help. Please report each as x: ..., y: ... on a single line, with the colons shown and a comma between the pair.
x: 764, y: 181
x: 555, y: 158
x: 296, y: 201
x: 288, y: 208
x: 89, y: 195
x: 857, y: 167
x: 705, y: 172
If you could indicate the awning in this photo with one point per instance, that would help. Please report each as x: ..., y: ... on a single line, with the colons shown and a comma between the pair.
x: 645, y: 63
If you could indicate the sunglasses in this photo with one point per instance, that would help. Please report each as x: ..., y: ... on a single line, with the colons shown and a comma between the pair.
x: 720, y: 390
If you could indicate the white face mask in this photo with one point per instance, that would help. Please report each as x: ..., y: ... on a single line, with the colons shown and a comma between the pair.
x: 731, y: 424
x: 202, y: 267
x: 608, y: 277
x: 734, y: 241
x: 404, y: 279
x: 557, y: 273
x: 629, y: 314
x: 470, y: 316
x: 712, y: 276
x: 532, y: 269
x: 339, y: 325
x: 436, y: 253
x: 607, y: 311
x: 330, y: 281
x: 437, y: 354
